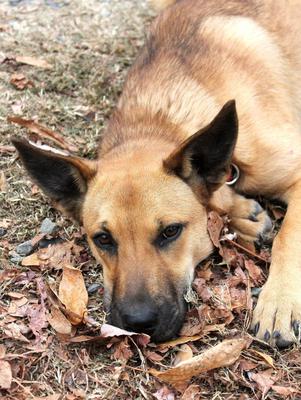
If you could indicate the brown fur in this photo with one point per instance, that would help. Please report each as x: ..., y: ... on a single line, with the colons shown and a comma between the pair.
x: 198, y: 55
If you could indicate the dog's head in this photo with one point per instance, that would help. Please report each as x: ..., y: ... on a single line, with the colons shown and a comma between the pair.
x: 145, y: 216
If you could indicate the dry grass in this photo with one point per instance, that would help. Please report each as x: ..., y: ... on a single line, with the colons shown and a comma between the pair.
x: 90, y: 44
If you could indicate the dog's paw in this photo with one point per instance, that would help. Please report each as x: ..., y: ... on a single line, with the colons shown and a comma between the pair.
x: 277, y: 315
x: 251, y: 221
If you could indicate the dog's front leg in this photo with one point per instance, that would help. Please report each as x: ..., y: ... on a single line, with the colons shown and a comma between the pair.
x: 277, y: 316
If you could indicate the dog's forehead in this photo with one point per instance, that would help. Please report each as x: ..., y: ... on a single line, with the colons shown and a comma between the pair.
x: 137, y: 197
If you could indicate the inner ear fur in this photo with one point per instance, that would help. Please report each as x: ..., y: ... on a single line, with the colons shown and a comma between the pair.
x: 205, y: 157
x: 64, y: 178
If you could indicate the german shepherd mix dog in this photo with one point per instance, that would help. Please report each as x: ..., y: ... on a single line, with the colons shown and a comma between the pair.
x: 166, y: 155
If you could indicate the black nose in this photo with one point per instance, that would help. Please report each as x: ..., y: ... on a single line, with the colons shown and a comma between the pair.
x: 140, y: 319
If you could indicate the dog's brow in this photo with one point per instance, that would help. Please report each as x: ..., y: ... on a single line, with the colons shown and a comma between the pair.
x: 164, y: 223
x: 104, y: 226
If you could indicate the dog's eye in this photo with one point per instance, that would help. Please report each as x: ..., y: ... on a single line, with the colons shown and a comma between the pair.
x: 105, y: 241
x: 169, y: 234
x: 171, y: 231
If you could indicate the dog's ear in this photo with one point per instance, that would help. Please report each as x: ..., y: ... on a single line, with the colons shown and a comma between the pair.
x: 63, y: 178
x: 206, y: 156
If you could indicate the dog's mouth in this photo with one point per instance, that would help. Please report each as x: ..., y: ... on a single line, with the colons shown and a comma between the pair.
x: 161, y: 322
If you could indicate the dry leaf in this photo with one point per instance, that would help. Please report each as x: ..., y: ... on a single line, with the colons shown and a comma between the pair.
x: 164, y: 393
x: 7, y: 149
x: 31, y: 261
x: 54, y: 256
x: 35, y: 62
x: 3, y: 182
x: 202, y: 289
x: 178, y: 341
x: 247, y: 365
x: 221, y: 355
x: 13, y: 331
x: 20, y: 81
x: 184, y: 354
x: 152, y: 356
x: 5, y: 375
x: 264, y: 380
x: 2, y: 351
x: 191, y: 393
x: 59, y: 322
x: 268, y: 359
x: 215, y: 225
x: 37, y: 319
x: 285, y: 391
x: 57, y: 396
x: 122, y: 351
x: 73, y: 294
x: 108, y: 332
x: 43, y: 132
x: 255, y: 272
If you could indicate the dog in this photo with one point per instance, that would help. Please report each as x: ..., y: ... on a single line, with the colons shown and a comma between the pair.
x: 216, y: 84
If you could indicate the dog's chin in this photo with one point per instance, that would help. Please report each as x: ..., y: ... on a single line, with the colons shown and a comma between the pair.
x: 169, y: 324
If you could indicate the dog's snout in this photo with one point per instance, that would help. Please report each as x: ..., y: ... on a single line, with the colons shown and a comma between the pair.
x: 143, y: 319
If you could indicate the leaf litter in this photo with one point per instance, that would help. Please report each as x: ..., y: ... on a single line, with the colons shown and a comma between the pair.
x: 54, y: 346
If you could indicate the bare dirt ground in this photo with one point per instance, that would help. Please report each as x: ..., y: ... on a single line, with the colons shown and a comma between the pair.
x: 89, y: 46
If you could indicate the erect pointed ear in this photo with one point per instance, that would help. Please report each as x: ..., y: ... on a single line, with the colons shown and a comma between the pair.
x: 206, y: 156
x: 63, y: 178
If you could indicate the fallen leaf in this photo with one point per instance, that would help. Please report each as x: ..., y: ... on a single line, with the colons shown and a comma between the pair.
x: 73, y: 294
x: 59, y: 322
x: 31, y: 261
x: 178, y: 341
x: 43, y: 132
x: 35, y: 62
x: 13, y: 331
x: 2, y: 351
x: 192, y: 327
x: 54, y: 256
x: 285, y: 391
x: 7, y: 149
x: 152, y: 356
x: 215, y: 225
x: 122, y: 351
x: 255, y: 272
x: 36, y: 314
x: 50, y: 397
x: 264, y: 380
x: 109, y: 331
x: 20, y: 81
x: 3, y: 182
x: 191, y: 393
x: 205, y: 271
x: 164, y: 393
x: 268, y: 359
x: 247, y: 365
x: 222, y: 355
x: 215, y: 315
x: 184, y: 354
x: 5, y: 375
x: 202, y: 289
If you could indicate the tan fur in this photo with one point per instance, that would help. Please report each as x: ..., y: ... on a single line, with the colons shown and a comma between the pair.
x: 161, y: 4
x: 253, y: 54
x: 198, y: 55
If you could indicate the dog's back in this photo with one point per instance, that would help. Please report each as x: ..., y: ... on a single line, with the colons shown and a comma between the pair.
x: 201, y: 53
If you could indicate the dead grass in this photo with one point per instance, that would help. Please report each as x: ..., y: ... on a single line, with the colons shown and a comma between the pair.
x: 90, y: 44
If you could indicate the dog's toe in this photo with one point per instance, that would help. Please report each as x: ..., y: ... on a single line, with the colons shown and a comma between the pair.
x: 254, y: 225
x: 277, y: 316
